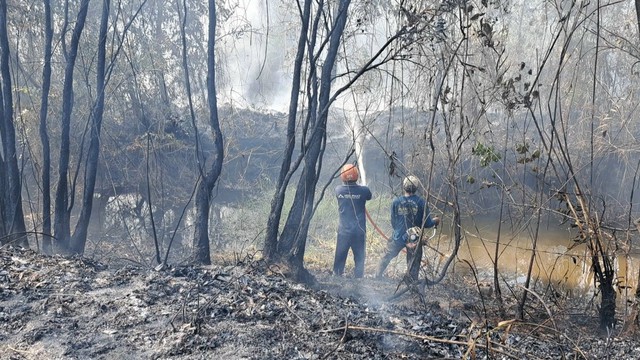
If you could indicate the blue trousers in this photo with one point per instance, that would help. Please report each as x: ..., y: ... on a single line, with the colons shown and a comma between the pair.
x: 414, y: 258
x: 355, y: 242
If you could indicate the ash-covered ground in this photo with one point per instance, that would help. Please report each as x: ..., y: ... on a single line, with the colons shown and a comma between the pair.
x: 71, y: 308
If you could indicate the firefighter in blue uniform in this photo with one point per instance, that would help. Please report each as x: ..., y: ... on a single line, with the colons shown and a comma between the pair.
x: 407, y: 211
x: 352, y: 224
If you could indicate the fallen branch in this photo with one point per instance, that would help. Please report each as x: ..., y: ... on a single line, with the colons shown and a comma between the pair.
x: 425, y: 337
x: 551, y: 318
x: 20, y: 351
x: 342, y: 339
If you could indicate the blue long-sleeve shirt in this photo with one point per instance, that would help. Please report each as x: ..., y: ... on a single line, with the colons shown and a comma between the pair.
x: 407, y: 212
x: 351, y: 206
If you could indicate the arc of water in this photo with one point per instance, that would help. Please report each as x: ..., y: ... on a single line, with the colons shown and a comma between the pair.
x: 359, y: 137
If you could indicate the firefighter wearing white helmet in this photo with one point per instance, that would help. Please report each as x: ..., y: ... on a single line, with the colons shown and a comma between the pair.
x: 411, y: 184
x: 352, y: 224
x: 407, y: 211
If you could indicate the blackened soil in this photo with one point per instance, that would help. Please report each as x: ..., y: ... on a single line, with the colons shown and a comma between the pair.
x: 71, y: 308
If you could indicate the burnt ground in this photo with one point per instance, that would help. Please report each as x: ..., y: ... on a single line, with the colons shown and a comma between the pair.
x: 72, y: 308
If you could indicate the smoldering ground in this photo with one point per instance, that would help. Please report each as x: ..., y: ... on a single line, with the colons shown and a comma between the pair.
x: 70, y: 308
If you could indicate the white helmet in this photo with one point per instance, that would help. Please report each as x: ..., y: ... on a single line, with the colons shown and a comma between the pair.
x: 410, y: 184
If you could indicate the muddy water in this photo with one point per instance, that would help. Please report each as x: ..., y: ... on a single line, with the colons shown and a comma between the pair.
x: 559, y: 261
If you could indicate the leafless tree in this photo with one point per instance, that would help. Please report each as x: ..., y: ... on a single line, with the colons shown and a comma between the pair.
x: 13, y: 226
x: 209, y: 176
x: 63, y: 206
x: 44, y: 133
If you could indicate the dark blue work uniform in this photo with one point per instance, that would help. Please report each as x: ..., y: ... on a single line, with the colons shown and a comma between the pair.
x: 352, y: 227
x: 406, y: 212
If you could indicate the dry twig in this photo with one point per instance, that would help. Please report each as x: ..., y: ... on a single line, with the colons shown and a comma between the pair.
x: 425, y: 337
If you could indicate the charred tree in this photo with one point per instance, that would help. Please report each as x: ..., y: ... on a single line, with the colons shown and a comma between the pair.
x: 601, y: 255
x: 295, y: 231
x: 277, y: 203
x: 44, y: 133
x: 79, y: 238
x: 637, y: 2
x: 61, y: 226
x: 13, y: 229
x: 209, y: 179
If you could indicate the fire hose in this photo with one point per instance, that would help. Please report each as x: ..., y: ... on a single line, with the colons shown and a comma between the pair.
x: 375, y: 226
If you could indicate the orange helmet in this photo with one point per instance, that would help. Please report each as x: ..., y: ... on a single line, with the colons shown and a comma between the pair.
x: 349, y: 173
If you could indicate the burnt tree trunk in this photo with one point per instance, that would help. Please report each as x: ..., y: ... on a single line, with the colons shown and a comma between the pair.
x: 47, y: 246
x: 294, y: 234
x: 61, y: 224
x: 208, y: 181
x: 608, y: 302
x: 277, y: 203
x: 637, y: 2
x: 12, y: 215
x: 79, y: 239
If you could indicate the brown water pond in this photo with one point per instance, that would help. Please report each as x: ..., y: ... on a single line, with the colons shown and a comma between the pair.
x: 559, y: 260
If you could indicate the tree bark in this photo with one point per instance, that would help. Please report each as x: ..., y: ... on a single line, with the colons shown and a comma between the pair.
x: 277, y: 203
x: 79, y: 238
x: 608, y: 303
x: 205, y: 188
x: 4, y: 198
x: 294, y: 234
x: 633, y: 321
x: 637, y: 2
x: 12, y: 216
x: 61, y: 226
x: 47, y: 247
x: 4, y: 191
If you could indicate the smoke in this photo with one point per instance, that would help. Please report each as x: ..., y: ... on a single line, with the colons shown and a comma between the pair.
x: 255, y: 41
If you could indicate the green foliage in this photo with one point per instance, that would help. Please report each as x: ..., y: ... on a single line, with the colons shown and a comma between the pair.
x: 487, y: 154
x: 523, y: 149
